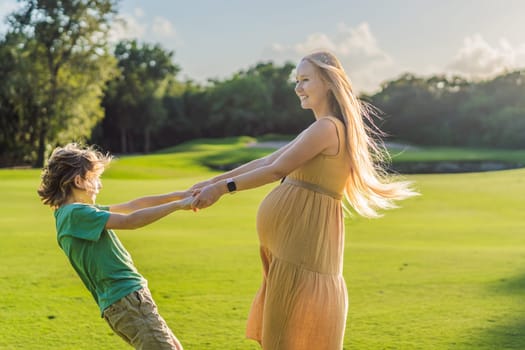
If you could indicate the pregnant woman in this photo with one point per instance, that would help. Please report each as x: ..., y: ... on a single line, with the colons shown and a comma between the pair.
x: 302, y: 303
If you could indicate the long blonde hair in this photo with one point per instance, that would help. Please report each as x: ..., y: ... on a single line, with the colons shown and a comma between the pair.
x: 368, y: 188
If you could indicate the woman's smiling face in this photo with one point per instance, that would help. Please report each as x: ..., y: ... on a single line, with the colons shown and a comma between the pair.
x: 310, y: 87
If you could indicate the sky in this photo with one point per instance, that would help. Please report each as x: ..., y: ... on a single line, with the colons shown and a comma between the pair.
x: 376, y: 40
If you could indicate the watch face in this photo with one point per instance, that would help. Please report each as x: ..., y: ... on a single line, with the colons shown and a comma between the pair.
x: 231, y: 186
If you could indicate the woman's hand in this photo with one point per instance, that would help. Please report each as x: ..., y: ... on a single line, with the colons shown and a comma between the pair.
x: 198, y: 186
x: 208, y: 195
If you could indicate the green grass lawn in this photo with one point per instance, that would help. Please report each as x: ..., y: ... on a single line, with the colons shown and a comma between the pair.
x: 445, y: 271
x: 430, y: 154
x: 239, y: 154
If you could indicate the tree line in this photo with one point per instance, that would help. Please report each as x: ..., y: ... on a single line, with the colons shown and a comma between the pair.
x: 63, y: 81
x: 454, y: 111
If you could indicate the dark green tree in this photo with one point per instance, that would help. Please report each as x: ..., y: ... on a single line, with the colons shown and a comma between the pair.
x: 493, y: 115
x: 60, y: 65
x: 134, y: 102
x: 238, y: 106
x: 286, y: 115
x: 188, y: 113
x: 421, y: 111
x: 257, y: 101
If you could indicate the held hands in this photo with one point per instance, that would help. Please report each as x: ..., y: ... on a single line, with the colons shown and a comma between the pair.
x: 203, y: 194
x: 207, y: 195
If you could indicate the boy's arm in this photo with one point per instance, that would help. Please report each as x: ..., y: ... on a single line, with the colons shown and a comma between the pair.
x: 148, y: 201
x: 145, y: 216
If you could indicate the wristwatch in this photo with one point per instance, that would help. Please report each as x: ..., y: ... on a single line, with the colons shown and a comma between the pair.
x: 232, y: 187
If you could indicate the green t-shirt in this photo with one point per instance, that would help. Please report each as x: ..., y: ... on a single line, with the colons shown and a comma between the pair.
x: 96, y: 254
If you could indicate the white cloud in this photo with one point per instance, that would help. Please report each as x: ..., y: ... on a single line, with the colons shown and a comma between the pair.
x: 478, y: 59
x: 127, y: 27
x: 163, y: 28
x: 136, y: 26
x: 366, y: 63
x: 6, y: 8
x: 314, y: 42
x: 138, y: 12
x: 360, y: 40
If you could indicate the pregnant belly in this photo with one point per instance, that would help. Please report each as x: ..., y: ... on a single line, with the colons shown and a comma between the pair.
x: 271, y: 213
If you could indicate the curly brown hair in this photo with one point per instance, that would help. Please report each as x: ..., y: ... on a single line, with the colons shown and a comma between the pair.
x: 64, y: 164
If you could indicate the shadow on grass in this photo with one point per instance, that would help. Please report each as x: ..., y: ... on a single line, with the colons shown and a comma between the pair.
x: 506, y: 330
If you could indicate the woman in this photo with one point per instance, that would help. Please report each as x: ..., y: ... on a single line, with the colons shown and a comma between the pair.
x: 302, y: 303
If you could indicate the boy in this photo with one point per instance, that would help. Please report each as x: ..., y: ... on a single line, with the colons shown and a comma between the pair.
x: 70, y: 184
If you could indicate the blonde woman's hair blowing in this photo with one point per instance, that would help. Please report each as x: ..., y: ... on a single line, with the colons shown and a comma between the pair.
x: 368, y: 188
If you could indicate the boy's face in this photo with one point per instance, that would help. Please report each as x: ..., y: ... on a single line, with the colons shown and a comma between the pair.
x: 89, y: 187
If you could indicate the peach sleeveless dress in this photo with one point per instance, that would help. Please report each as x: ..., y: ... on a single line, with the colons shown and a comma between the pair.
x: 302, y: 303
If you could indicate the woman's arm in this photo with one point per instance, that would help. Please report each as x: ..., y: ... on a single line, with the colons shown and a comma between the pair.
x: 319, y: 137
x: 143, y: 217
x: 148, y: 201
x: 254, y: 164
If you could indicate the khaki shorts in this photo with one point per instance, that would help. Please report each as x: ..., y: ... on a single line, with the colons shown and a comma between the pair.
x: 135, y: 319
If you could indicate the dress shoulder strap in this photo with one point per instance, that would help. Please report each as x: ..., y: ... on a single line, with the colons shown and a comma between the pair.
x: 341, y: 134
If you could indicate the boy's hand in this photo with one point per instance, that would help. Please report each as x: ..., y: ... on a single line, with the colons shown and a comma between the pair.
x: 183, y: 194
x: 185, y: 204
